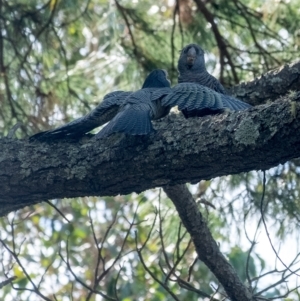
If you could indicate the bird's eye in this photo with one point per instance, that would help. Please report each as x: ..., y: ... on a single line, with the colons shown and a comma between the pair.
x: 184, y: 50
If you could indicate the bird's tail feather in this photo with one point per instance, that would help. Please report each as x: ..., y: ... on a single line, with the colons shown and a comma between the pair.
x: 130, y: 121
x: 39, y: 136
x: 73, y: 129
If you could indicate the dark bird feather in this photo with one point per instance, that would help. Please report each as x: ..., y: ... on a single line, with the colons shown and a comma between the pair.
x: 103, y: 113
x: 197, y: 94
x: 135, y: 108
x: 141, y: 107
x: 191, y: 67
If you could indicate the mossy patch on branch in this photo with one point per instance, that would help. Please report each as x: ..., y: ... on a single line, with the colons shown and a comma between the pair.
x: 247, y: 132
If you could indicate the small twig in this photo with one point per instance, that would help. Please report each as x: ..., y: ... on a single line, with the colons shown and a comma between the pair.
x: 13, y: 130
x: 100, y: 258
x: 265, y: 274
x: 175, y: 12
x: 53, y: 10
x: 150, y: 232
x: 77, y: 17
x: 219, y: 38
x: 265, y: 225
x: 14, y: 255
x: 275, y: 284
x: 216, y: 291
x: 179, y: 258
x: 139, y: 252
x: 207, y: 203
x: 161, y: 236
x: 53, y: 206
x: 67, y: 262
x: 248, y: 261
x: 186, y: 285
x: 8, y: 281
x: 116, y: 282
x: 122, y: 11
x: 191, y: 268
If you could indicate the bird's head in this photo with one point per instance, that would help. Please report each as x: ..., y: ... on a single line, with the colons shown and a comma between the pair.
x: 158, y: 78
x: 191, y: 58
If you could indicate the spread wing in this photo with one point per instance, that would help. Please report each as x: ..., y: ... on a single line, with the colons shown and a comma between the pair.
x: 132, y: 120
x: 103, y: 113
x: 134, y: 117
x: 197, y: 100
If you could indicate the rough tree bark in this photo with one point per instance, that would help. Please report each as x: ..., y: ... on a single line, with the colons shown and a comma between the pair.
x: 181, y: 151
x: 275, y: 83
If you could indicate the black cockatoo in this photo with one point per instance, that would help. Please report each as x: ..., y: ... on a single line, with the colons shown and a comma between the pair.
x: 132, y: 120
x: 132, y: 112
x: 191, y: 67
x: 195, y: 95
x: 141, y: 107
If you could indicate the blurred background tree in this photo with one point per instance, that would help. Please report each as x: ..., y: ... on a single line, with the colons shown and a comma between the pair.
x: 57, y: 60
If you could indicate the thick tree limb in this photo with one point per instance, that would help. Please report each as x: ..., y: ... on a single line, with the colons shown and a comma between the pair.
x: 206, y: 247
x: 181, y: 151
x: 271, y: 85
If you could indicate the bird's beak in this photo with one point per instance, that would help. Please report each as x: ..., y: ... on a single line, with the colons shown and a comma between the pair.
x: 190, y: 60
x: 191, y: 56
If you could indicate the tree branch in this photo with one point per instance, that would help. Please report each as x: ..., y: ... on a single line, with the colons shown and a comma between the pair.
x: 270, y: 86
x: 206, y: 247
x: 219, y: 38
x: 181, y: 151
x: 217, y: 145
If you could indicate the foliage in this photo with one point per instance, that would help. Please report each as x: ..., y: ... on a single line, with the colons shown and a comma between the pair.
x: 57, y: 60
